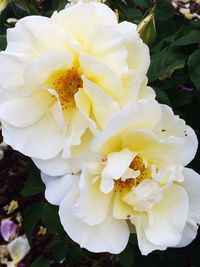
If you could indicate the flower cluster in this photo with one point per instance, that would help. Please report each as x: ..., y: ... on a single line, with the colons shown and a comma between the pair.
x: 74, y: 97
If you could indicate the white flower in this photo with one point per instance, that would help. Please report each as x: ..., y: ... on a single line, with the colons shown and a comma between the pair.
x: 64, y: 75
x: 18, y: 249
x: 141, y: 181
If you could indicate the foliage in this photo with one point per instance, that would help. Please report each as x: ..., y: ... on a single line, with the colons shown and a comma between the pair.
x: 175, y: 76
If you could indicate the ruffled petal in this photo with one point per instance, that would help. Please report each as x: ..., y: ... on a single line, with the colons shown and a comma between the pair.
x: 58, y: 187
x: 191, y: 184
x: 168, y: 218
x: 34, y: 141
x: 109, y: 236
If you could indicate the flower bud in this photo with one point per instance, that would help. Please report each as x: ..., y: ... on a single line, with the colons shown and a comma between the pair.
x: 147, y: 29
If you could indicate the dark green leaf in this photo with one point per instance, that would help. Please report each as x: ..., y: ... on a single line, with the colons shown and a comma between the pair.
x: 3, y: 42
x: 34, y: 184
x: 60, y: 251
x: 41, y: 262
x: 165, y: 61
x: 74, y: 256
x: 162, y: 96
x: 50, y: 218
x: 31, y: 217
x: 127, y: 257
x: 194, y: 68
x: 191, y: 38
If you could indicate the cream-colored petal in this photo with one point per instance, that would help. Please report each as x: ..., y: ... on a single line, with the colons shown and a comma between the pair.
x: 144, y: 196
x: 25, y: 111
x: 58, y: 187
x: 141, y: 114
x: 138, y: 53
x: 39, y: 70
x: 106, y: 43
x: 18, y: 248
x: 34, y: 141
x: 92, y: 205
x: 168, y: 218
x: 191, y: 184
x: 140, y: 222
x: 88, y: 14
x: 98, y: 72
x: 109, y: 236
x: 116, y: 165
x: 103, y: 106
x: 121, y: 210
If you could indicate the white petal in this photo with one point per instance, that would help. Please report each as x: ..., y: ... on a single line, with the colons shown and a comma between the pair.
x: 39, y: 70
x: 23, y: 112
x: 92, y: 205
x: 191, y: 184
x: 18, y: 248
x: 116, y: 165
x: 58, y: 187
x: 11, y: 70
x: 141, y: 114
x: 80, y: 155
x: 106, y: 43
x: 172, y: 126
x: 168, y: 218
x: 121, y: 210
x: 144, y: 196
x: 103, y: 106
x: 138, y: 52
x: 109, y: 236
x: 144, y: 244
x: 97, y: 71
x: 38, y: 140
x: 88, y: 14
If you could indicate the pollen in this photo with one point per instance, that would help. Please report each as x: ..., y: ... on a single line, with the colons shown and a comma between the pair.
x: 66, y: 83
x: 137, y: 165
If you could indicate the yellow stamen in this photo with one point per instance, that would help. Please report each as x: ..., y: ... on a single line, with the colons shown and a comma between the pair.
x: 66, y: 83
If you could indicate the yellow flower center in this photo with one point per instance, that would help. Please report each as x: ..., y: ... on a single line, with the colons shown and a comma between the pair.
x: 137, y: 165
x: 66, y: 83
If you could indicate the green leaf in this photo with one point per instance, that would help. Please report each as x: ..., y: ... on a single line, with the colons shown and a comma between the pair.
x: 165, y: 61
x: 74, y: 256
x: 60, y: 251
x: 191, y: 38
x: 164, y: 11
x: 41, y: 262
x: 59, y: 5
x: 3, y: 42
x: 194, y: 68
x: 50, y: 218
x: 127, y: 257
x: 34, y: 184
x: 162, y: 96
x: 31, y: 217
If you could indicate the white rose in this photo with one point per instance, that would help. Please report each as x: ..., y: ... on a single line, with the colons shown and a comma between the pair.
x: 63, y: 75
x: 141, y: 181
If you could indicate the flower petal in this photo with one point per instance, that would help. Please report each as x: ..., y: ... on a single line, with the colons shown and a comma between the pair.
x: 103, y: 106
x: 141, y: 114
x: 168, y: 218
x: 18, y: 248
x: 23, y: 112
x: 58, y: 187
x: 92, y: 205
x: 191, y: 184
x: 144, y: 244
x: 116, y: 165
x: 30, y: 140
x: 110, y: 236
